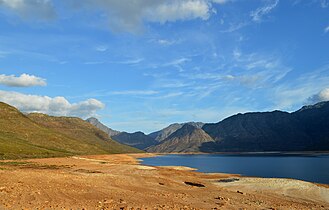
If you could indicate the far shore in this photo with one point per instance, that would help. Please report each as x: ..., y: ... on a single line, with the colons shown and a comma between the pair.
x: 269, y: 153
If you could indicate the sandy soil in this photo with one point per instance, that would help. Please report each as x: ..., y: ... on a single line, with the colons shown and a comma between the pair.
x: 120, y: 182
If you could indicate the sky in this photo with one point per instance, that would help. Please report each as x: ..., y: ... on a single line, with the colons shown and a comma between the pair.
x: 144, y: 64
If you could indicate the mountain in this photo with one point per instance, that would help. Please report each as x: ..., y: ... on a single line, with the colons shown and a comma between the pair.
x: 102, y: 127
x: 188, y: 138
x: 138, y: 139
x: 315, y: 120
x: 164, y: 133
x: 304, y: 130
x: 22, y: 137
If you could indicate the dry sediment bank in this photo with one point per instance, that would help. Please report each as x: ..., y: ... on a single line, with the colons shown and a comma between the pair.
x: 120, y: 182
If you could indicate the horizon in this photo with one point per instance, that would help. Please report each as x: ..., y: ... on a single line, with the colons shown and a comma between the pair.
x: 141, y: 65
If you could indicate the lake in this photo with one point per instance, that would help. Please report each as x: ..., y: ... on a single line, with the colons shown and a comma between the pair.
x: 313, y: 168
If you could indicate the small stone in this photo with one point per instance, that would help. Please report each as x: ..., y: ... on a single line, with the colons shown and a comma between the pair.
x: 240, y: 192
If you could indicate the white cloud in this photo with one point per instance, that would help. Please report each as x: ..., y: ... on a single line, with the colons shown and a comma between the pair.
x: 129, y: 15
x: 178, y: 61
x: 58, y: 106
x: 257, y: 15
x: 41, y: 9
x: 165, y: 42
x: 211, y: 114
x: 131, y: 61
x: 326, y: 29
x: 220, y: 1
x: 24, y: 80
x: 323, y: 95
x: 135, y: 92
x: 235, y: 26
x: 179, y: 10
x: 253, y: 70
x: 3, y: 54
x: 123, y: 15
x: 101, y: 48
x: 324, y: 3
x: 293, y: 94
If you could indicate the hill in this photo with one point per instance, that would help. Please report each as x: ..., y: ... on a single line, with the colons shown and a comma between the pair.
x: 22, y: 137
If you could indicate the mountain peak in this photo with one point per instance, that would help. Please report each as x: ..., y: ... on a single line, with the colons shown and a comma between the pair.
x: 161, y: 135
x: 94, y: 121
x: 188, y: 138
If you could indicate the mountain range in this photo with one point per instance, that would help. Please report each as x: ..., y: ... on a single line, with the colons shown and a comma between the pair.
x: 138, y: 139
x: 39, y: 135
x: 304, y: 130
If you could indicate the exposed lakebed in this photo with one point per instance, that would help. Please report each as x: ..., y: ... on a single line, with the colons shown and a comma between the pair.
x: 313, y: 168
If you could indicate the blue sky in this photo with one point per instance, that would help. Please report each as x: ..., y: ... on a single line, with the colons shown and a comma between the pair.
x: 144, y: 64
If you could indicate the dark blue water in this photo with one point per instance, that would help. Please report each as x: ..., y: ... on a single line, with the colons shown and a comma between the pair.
x: 308, y: 168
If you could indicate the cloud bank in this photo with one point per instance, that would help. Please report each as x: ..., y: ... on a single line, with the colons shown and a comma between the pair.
x: 57, y: 106
x: 121, y: 15
x: 24, y: 80
x: 38, y: 9
x: 129, y: 15
x: 323, y: 95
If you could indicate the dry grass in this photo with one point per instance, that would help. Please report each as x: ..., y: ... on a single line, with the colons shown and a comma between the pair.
x: 38, y: 135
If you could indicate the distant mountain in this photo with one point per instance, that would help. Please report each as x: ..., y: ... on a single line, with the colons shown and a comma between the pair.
x: 188, y: 138
x: 39, y: 135
x: 304, y: 130
x: 102, y: 127
x: 164, y: 133
x: 138, y: 139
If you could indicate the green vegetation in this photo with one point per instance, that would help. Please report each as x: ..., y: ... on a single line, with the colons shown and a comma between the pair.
x: 39, y: 135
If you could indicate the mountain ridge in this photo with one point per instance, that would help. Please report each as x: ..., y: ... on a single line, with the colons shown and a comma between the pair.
x: 270, y: 131
x: 303, y: 130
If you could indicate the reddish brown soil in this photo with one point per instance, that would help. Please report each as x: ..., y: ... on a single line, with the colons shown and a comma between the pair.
x: 119, y: 182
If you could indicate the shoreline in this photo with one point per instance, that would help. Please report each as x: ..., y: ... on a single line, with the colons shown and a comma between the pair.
x: 122, y: 181
x: 272, y: 153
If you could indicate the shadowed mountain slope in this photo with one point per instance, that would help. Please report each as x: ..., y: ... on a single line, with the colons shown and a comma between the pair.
x: 186, y: 139
x: 138, y: 139
x: 166, y: 132
x: 304, y: 130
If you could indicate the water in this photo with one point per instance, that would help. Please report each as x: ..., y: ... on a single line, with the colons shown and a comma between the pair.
x: 308, y: 168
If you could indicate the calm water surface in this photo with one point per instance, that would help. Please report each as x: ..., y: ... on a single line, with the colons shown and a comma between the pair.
x: 309, y: 168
